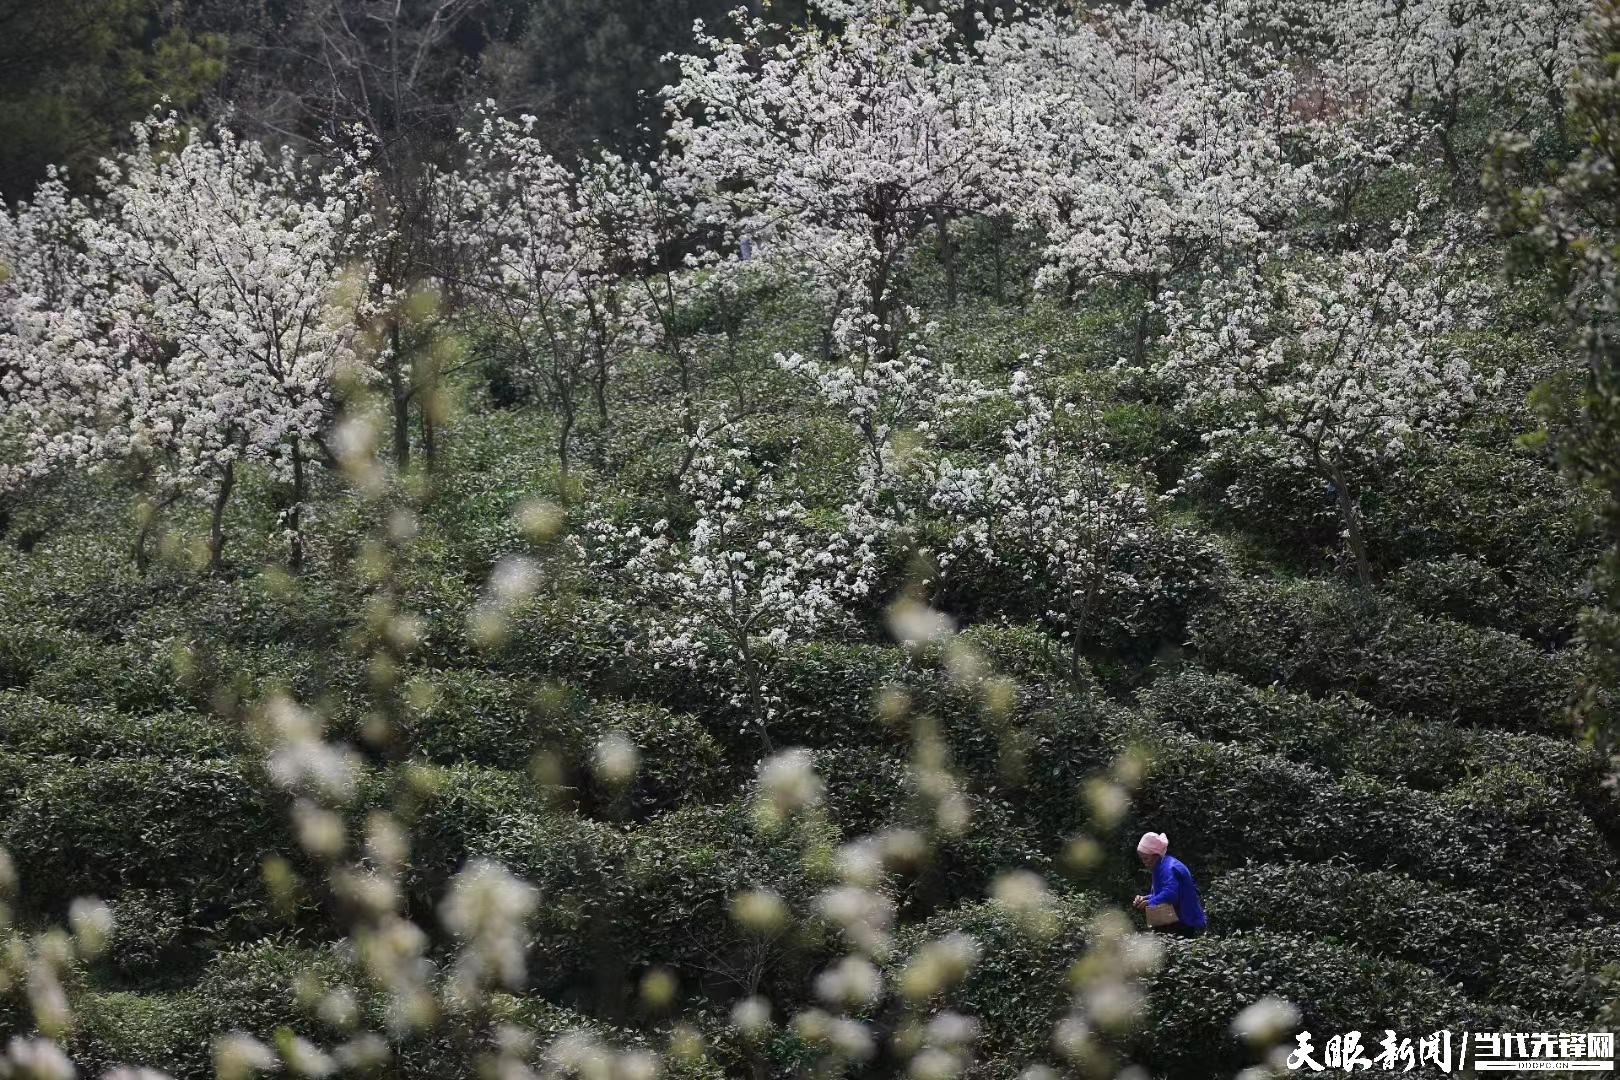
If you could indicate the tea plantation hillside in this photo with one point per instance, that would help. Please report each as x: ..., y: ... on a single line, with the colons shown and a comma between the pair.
x: 1391, y: 821
x: 786, y: 602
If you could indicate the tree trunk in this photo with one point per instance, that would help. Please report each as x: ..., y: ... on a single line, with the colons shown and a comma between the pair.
x: 1350, y: 515
x: 141, y: 556
x: 599, y: 390
x: 998, y: 261
x: 947, y: 257
x: 430, y: 433
x: 1144, y: 318
x: 756, y: 695
x: 1075, y: 659
x: 564, y: 437
x: 216, y: 527
x: 295, y: 513
x: 401, y: 398
x: 1448, y: 147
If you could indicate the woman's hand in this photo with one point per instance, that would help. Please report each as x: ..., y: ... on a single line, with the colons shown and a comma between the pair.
x: 1139, y: 903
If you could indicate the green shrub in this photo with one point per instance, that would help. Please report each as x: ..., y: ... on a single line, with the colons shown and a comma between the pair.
x: 829, y: 692
x: 454, y: 716
x: 1024, y: 652
x: 457, y: 811
x: 866, y: 788
x: 138, y: 676
x: 1019, y: 988
x: 27, y: 648
x: 1173, y: 567
x: 199, y: 828
x: 1205, y: 982
x: 1532, y: 600
x: 33, y: 725
x: 467, y: 717
x: 150, y: 932
x: 571, y: 638
x: 1040, y: 752
x: 577, y: 864
x: 684, y: 868
x: 1341, y: 733
x: 1317, y: 637
x: 251, y: 988
x: 680, y: 761
x: 1284, y: 509
x: 15, y: 770
x: 256, y: 989
x: 1515, y: 956
x: 171, y: 1032
x: 1338, y: 732
x: 1508, y: 510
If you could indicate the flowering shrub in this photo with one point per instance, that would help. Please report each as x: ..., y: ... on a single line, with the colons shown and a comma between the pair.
x: 1063, y: 527
x: 748, y: 579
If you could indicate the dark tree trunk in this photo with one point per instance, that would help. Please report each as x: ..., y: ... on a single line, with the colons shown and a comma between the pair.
x: 1350, y: 515
x: 947, y: 257
x: 216, y: 525
x: 1144, y: 318
x: 430, y: 433
x: 565, y: 435
x: 998, y: 260
x: 139, y: 552
x: 401, y: 394
x: 295, y: 512
x: 1448, y: 142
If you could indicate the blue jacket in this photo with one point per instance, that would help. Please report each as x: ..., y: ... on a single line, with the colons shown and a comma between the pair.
x: 1173, y: 883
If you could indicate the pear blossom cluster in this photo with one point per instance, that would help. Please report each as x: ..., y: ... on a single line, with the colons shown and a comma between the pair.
x: 1056, y: 515
x: 887, y: 396
x: 835, y: 153
x: 194, y: 318
x: 543, y: 245
x: 59, y: 374
x: 1425, y: 60
x: 1148, y: 142
x: 1331, y: 364
x: 203, y: 310
x: 749, y: 577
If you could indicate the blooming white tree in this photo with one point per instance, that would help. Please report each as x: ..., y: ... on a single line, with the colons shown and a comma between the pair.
x: 748, y: 578
x: 834, y: 152
x: 887, y: 397
x: 194, y: 319
x: 60, y: 377
x: 670, y: 272
x: 229, y: 262
x: 543, y: 256
x: 1327, y: 363
x: 1148, y: 143
x: 1428, y: 58
x: 1054, y: 515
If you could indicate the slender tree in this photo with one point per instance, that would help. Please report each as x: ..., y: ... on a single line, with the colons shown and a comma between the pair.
x: 543, y: 267
x: 228, y: 295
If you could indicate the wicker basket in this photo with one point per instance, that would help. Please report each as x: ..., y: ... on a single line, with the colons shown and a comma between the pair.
x: 1161, y: 914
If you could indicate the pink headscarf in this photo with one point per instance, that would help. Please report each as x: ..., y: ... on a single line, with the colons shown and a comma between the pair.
x: 1153, y: 843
